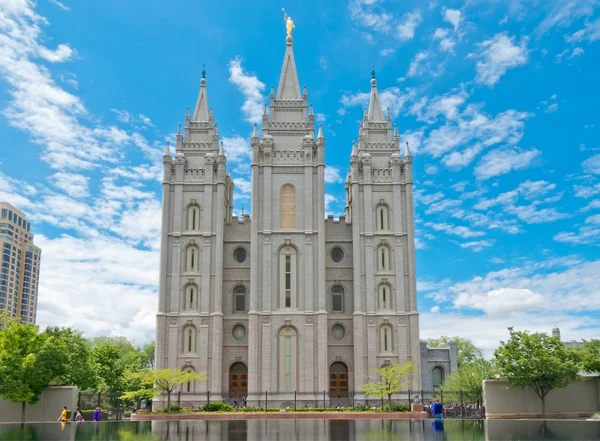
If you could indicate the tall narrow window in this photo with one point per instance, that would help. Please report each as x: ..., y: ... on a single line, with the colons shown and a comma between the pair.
x: 337, y: 299
x: 287, y: 277
x: 287, y: 359
x: 288, y: 206
x: 383, y: 258
x: 382, y: 217
x: 193, y: 220
x: 385, y: 296
x: 192, y: 257
x: 386, y: 338
x: 239, y: 299
x: 189, y: 386
x: 191, y: 298
x: 189, y: 339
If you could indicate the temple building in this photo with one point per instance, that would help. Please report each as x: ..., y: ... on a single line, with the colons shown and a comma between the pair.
x: 287, y: 300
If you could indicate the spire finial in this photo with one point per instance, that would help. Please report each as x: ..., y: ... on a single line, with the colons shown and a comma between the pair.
x: 396, y: 134
x: 255, y: 132
x: 389, y: 115
x: 373, y: 71
x: 265, y: 111
x: 311, y: 110
x: 167, y: 149
x: 187, y: 113
x: 320, y: 134
x: 203, y: 70
x: 407, y: 154
x: 222, y: 149
x: 179, y: 130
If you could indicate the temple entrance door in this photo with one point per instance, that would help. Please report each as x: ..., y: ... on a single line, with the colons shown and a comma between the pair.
x: 338, y: 380
x: 238, y: 380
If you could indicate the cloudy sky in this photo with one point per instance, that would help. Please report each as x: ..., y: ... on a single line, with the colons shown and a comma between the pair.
x: 499, y: 100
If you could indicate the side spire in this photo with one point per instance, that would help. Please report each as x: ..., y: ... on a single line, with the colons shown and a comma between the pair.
x: 375, y: 112
x: 201, y: 112
x: 289, y: 88
x: 320, y: 134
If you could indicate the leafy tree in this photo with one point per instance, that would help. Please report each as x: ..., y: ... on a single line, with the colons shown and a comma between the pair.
x: 29, y: 361
x: 392, y: 379
x: 159, y: 382
x: 469, y: 379
x: 466, y: 350
x: 79, y: 369
x: 589, y: 356
x: 131, y: 356
x: 110, y: 366
x: 536, y: 361
x: 148, y: 351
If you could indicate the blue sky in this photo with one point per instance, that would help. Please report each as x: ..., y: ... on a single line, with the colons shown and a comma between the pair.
x: 498, y: 100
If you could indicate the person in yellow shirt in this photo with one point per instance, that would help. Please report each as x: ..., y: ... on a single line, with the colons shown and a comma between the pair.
x: 64, y: 415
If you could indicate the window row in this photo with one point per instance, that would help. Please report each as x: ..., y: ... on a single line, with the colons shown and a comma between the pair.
x: 190, y: 302
x: 192, y: 257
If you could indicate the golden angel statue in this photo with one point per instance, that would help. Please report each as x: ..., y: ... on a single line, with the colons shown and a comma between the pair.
x: 289, y: 24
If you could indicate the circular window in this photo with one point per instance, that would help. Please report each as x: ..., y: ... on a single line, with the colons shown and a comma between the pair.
x: 337, y: 255
x: 239, y: 332
x: 338, y: 332
x: 239, y: 255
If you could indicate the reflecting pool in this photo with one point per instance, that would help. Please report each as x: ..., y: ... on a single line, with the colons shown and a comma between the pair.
x: 296, y: 430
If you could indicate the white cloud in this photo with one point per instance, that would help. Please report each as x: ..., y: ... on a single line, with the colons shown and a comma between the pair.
x: 431, y: 169
x: 333, y: 205
x: 369, y: 14
x: 499, y: 54
x: 477, y: 245
x: 386, y: 52
x: 564, y: 13
x: 392, y: 98
x: 455, y: 230
x: 251, y: 88
x: 503, y: 160
x: 146, y: 120
x: 592, y: 165
x: 62, y: 53
x: 418, y: 65
x: 501, y: 301
x: 577, y: 52
x: 586, y: 234
x: 60, y: 5
x: 405, y: 30
x: 332, y: 175
x: 589, y: 33
x: 320, y: 117
x: 237, y: 150
x: 452, y: 16
x: 73, y: 184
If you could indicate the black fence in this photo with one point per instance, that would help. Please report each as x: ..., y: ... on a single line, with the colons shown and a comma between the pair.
x: 456, y: 404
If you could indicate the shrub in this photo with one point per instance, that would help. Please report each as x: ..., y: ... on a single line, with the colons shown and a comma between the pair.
x: 175, y: 408
x: 400, y: 408
x: 362, y: 408
x: 218, y: 406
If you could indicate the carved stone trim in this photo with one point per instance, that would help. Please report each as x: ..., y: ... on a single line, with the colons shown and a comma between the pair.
x: 193, y: 188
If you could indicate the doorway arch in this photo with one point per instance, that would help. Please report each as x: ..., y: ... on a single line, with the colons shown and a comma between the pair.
x: 338, y: 380
x: 238, y: 380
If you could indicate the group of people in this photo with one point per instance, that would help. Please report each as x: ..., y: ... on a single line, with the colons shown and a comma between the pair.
x: 65, y: 415
x: 241, y: 403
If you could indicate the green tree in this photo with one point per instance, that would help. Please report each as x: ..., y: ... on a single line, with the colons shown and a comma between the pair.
x: 29, y: 361
x: 391, y: 379
x: 79, y: 369
x: 589, y: 356
x: 148, y: 351
x: 469, y: 379
x: 110, y: 366
x: 466, y: 350
x: 159, y: 382
x: 536, y: 361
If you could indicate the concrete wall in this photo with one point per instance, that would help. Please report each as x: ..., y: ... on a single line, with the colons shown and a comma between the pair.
x: 48, y: 408
x: 580, y: 398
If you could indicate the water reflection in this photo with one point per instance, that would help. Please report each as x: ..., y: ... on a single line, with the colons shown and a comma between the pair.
x: 296, y: 430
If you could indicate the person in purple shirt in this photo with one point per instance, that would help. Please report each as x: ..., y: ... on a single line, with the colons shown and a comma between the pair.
x: 97, y: 414
x: 437, y: 410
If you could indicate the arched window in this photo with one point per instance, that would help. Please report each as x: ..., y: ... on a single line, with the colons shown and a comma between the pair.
x: 239, y: 299
x: 385, y: 334
x: 288, y: 206
x: 383, y: 258
x: 337, y: 299
x: 382, y: 217
x: 437, y: 377
x: 287, y: 277
x: 385, y: 296
x: 189, y: 339
x: 191, y: 298
x: 193, y: 218
x: 190, y: 385
x: 192, y: 257
x: 287, y: 359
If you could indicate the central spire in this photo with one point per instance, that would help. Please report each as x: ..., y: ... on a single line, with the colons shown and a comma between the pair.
x: 375, y: 112
x: 201, y: 110
x: 289, y: 88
